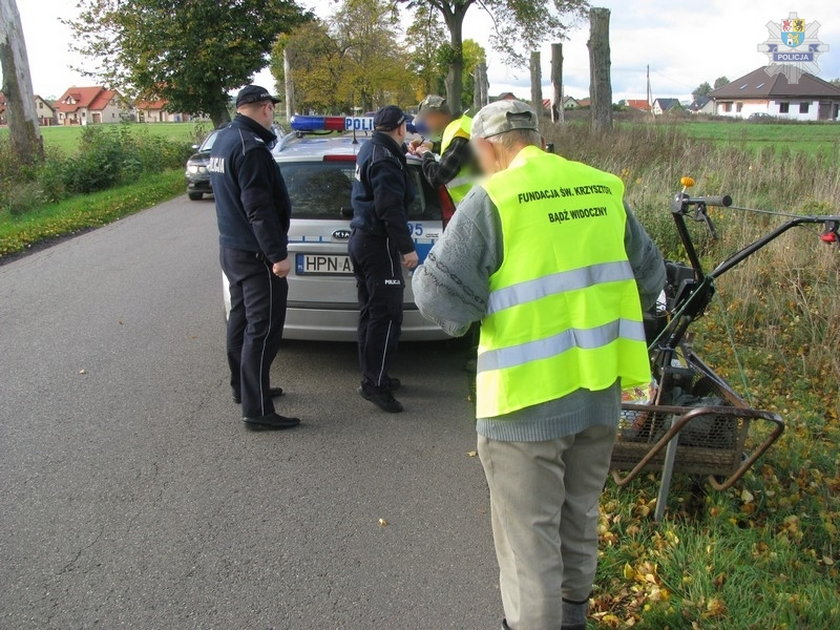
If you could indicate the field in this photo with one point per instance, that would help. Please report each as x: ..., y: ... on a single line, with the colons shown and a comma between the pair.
x: 823, y: 138
x: 66, y: 139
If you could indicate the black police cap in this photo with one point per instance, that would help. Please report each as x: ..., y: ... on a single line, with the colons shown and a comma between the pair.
x: 389, y: 118
x: 254, y: 94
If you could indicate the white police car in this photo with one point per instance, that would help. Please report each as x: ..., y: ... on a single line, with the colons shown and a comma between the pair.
x: 319, y: 172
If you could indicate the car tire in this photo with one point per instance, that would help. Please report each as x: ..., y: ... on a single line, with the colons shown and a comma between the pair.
x: 195, y: 196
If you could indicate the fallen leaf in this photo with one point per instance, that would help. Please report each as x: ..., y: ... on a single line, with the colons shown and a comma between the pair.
x: 83, y: 371
x: 746, y: 496
x: 472, y: 453
x: 383, y: 522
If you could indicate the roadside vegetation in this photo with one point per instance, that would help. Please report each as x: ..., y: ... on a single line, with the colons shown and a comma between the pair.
x: 137, y: 166
x: 765, y: 554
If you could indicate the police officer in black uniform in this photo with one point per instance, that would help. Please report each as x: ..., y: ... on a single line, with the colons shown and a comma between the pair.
x: 379, y: 247
x: 253, y: 211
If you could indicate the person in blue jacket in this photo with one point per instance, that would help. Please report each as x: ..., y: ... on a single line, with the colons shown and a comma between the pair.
x: 380, y: 245
x: 253, y: 212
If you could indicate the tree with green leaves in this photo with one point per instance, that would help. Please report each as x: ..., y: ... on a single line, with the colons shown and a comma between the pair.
x: 519, y: 26
x: 191, y: 53
x: 721, y: 82
x: 424, y: 59
x: 701, y: 90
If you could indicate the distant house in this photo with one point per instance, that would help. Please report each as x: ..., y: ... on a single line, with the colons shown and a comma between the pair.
x: 504, y: 96
x: 701, y: 105
x: 773, y: 94
x: 665, y: 105
x: 91, y: 105
x: 570, y: 102
x: 43, y: 109
x: 638, y: 103
x: 584, y: 102
x: 155, y: 111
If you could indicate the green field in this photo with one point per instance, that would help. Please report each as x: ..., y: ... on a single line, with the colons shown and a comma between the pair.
x: 66, y: 139
x: 822, y: 138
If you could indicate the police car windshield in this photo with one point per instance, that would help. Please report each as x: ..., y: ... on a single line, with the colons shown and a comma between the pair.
x: 319, y: 190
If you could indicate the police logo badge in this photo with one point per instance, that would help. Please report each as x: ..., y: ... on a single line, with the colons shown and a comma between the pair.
x: 793, y: 32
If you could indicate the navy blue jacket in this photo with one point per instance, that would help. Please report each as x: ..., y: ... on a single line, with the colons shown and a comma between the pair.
x: 383, y: 191
x: 252, y: 203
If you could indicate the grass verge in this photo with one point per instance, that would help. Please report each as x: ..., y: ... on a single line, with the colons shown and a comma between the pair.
x: 18, y: 233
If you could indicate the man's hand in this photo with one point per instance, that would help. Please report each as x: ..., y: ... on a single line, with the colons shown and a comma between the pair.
x: 410, y: 260
x: 419, y: 146
x: 281, y: 269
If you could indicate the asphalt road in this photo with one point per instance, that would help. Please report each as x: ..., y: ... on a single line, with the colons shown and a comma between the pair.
x: 133, y: 497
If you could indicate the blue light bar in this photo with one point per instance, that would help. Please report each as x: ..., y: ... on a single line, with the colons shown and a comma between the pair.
x: 331, y: 123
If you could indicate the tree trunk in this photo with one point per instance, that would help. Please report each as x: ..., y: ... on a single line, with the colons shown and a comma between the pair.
x: 600, y: 89
x: 220, y: 114
x: 558, y: 114
x: 476, y: 88
x: 536, y: 84
x: 289, y: 86
x: 25, y: 133
x: 454, y: 77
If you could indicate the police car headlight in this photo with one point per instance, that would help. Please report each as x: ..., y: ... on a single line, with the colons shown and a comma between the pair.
x: 202, y: 169
x: 194, y: 169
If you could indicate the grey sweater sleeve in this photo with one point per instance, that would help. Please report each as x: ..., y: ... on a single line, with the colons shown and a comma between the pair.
x: 452, y: 287
x: 645, y: 259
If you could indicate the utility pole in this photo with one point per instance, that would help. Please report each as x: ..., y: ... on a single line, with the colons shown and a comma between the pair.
x: 289, y: 85
x: 600, y: 88
x: 24, y: 131
x: 536, y: 84
x: 649, y: 93
x: 558, y: 114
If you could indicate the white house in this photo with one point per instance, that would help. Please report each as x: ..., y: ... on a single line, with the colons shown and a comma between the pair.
x: 773, y: 94
x: 91, y: 105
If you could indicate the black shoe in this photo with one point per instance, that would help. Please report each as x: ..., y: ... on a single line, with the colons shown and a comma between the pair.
x: 271, y: 421
x: 274, y: 392
x: 383, y: 399
x: 392, y: 384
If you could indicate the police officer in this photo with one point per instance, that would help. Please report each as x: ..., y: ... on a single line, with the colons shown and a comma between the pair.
x: 379, y: 246
x: 455, y: 168
x: 545, y: 253
x: 253, y: 211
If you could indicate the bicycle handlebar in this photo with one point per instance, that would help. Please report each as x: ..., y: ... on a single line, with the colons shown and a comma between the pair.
x: 715, y: 200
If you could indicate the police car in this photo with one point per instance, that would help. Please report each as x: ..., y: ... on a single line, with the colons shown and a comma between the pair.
x: 319, y: 170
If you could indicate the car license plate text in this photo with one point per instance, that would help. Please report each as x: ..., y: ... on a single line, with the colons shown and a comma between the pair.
x: 323, y: 264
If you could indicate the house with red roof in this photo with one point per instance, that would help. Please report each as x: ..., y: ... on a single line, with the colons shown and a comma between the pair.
x: 638, y: 103
x: 155, y: 111
x: 91, y: 106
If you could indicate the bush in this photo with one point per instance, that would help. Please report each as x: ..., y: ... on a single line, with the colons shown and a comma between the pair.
x: 107, y: 156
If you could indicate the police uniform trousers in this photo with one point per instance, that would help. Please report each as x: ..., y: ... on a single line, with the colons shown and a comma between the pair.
x: 255, y: 327
x: 380, y: 283
x: 544, y: 499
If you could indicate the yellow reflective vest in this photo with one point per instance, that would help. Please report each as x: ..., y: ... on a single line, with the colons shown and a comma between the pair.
x: 564, y: 311
x: 461, y: 184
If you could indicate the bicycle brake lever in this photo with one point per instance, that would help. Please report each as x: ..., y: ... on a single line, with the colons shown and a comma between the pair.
x: 702, y: 215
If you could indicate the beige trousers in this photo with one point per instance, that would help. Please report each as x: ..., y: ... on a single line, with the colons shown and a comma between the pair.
x: 544, y: 503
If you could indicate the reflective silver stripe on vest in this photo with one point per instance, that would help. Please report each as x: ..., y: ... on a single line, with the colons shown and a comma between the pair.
x: 558, y: 283
x: 460, y: 181
x: 585, y: 339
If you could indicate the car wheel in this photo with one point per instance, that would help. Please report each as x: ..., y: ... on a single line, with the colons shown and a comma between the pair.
x: 195, y: 196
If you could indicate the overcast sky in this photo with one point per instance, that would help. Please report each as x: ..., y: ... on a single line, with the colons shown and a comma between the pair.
x: 685, y: 44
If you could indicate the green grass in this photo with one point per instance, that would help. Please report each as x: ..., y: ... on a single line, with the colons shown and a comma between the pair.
x: 821, y: 138
x: 18, y: 233
x: 66, y: 138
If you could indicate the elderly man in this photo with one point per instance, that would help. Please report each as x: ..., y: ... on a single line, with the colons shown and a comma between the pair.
x: 455, y: 167
x: 547, y: 256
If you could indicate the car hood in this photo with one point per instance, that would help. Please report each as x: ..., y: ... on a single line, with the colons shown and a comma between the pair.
x: 199, y: 158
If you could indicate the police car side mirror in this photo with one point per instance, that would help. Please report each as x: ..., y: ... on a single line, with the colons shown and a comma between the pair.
x: 347, y: 213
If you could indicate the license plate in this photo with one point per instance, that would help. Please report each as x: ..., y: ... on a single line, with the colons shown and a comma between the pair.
x: 323, y: 265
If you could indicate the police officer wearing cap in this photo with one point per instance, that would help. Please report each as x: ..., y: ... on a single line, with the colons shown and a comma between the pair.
x: 455, y: 168
x: 253, y: 212
x: 380, y: 245
x: 547, y: 255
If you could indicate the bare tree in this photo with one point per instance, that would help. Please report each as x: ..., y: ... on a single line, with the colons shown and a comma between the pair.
x: 536, y: 83
x: 558, y: 114
x: 600, y: 88
x: 17, y: 86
